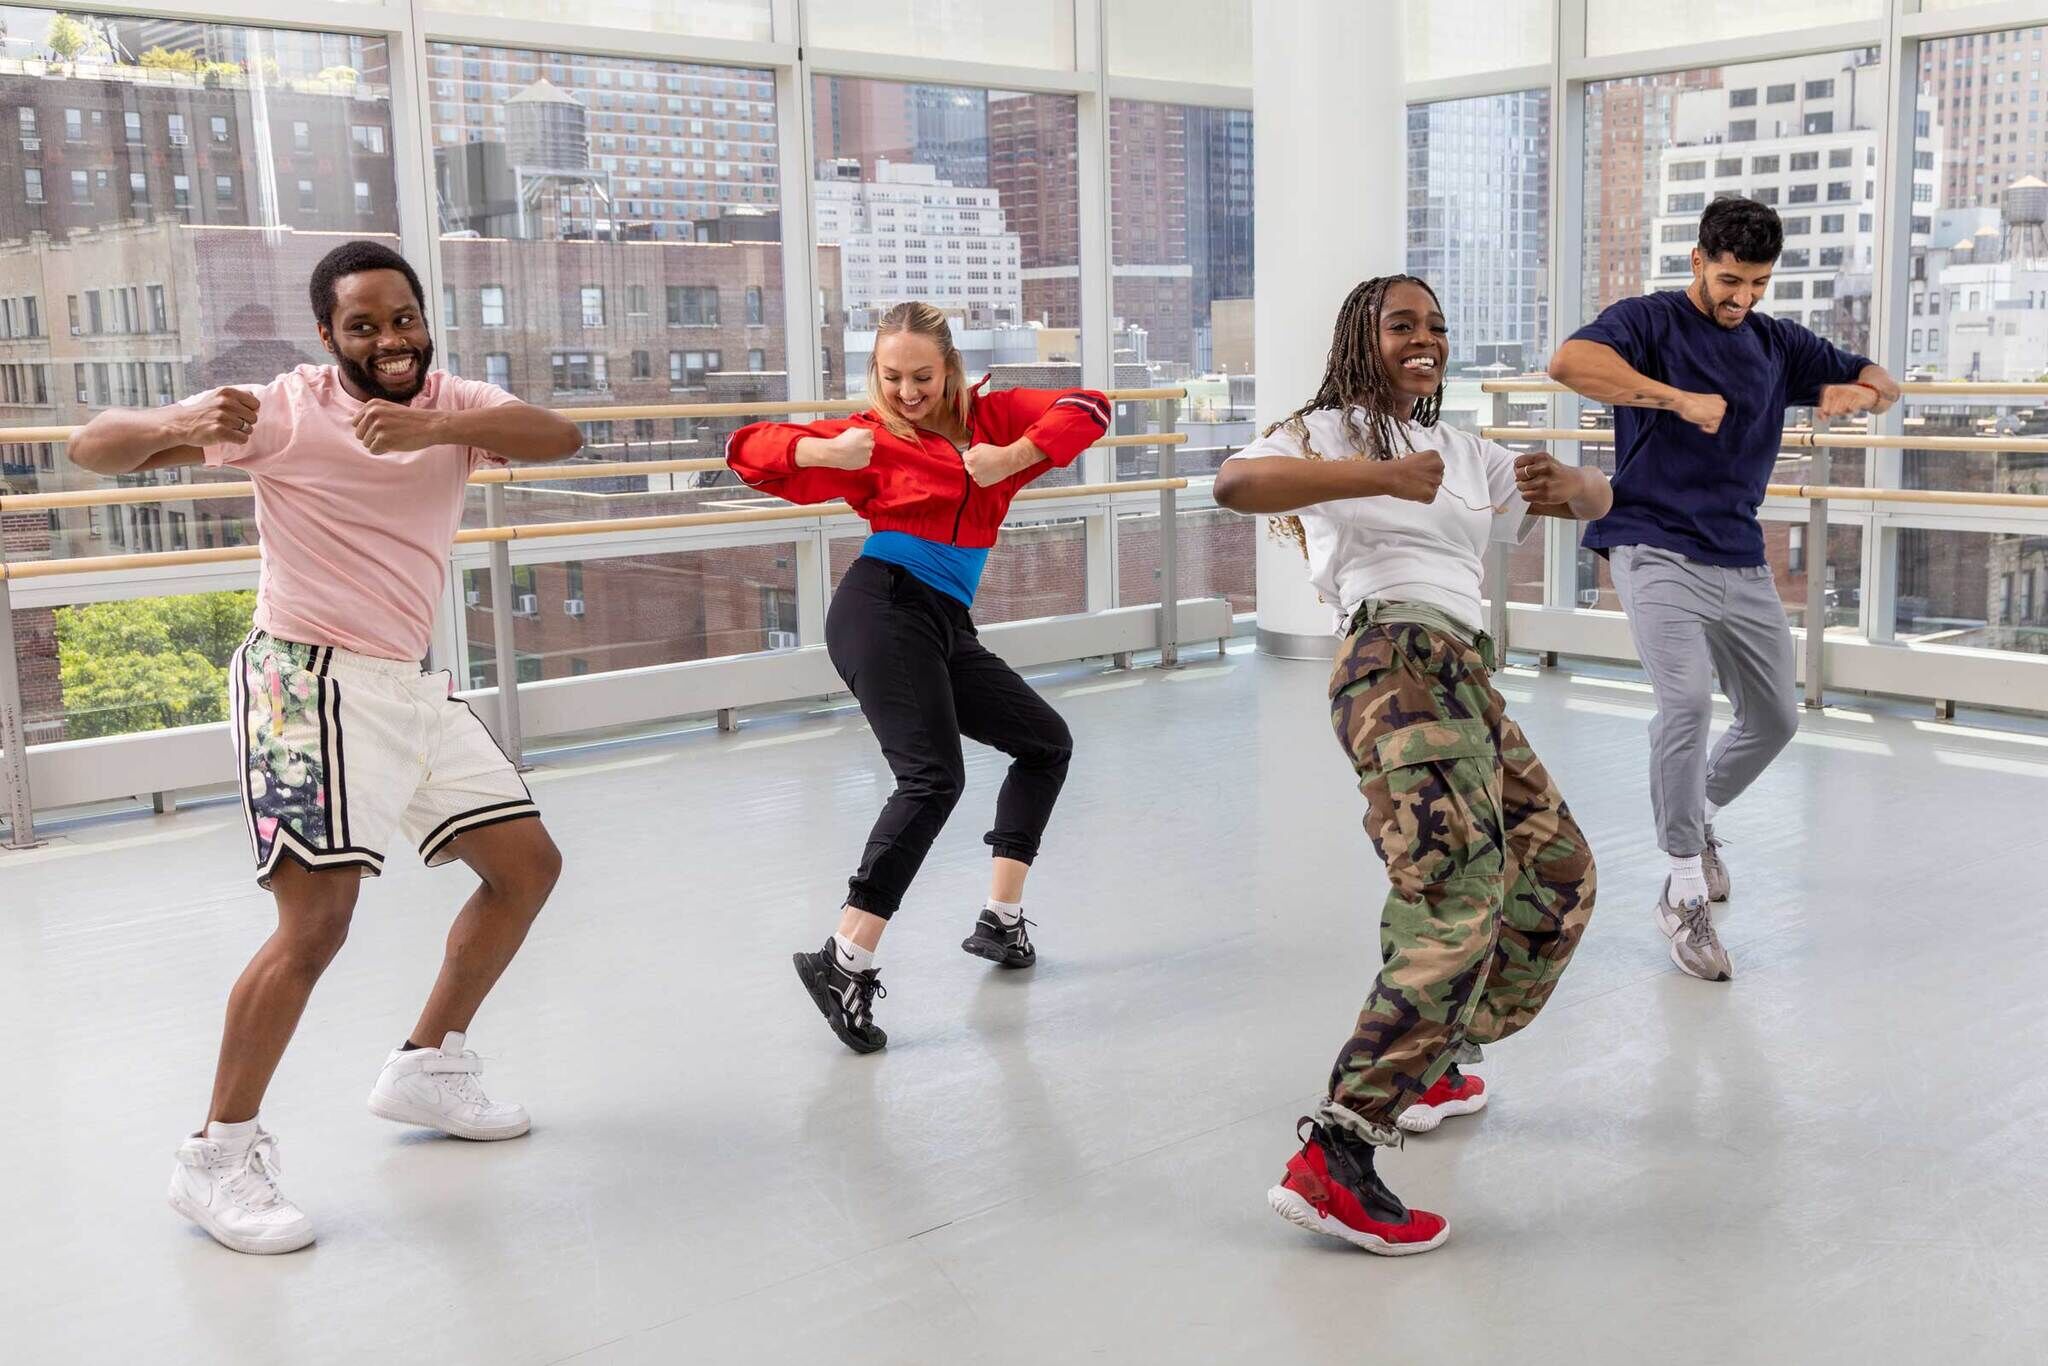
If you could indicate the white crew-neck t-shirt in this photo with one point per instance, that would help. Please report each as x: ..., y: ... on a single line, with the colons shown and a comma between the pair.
x: 1402, y: 551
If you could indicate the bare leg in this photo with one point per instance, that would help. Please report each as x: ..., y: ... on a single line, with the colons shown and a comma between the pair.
x: 1006, y: 880
x: 313, y: 912
x: 861, y: 927
x: 518, y: 864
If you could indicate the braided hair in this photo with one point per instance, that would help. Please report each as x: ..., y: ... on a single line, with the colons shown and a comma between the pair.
x: 1355, y: 378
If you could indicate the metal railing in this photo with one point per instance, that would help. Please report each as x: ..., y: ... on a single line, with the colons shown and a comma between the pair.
x: 1817, y: 495
x: 498, y: 533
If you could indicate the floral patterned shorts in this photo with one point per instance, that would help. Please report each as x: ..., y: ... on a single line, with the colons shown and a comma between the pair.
x: 339, y: 749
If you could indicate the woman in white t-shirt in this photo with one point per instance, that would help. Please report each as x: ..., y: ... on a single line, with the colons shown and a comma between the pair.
x: 1492, y: 881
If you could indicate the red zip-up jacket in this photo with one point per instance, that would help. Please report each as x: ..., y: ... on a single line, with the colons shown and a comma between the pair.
x: 920, y: 486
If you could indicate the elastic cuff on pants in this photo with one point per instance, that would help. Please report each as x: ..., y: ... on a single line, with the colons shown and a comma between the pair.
x: 867, y: 901
x: 1334, y: 1116
x: 1022, y: 853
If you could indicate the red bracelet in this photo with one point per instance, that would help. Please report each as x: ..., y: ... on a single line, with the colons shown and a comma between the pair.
x: 1871, y: 387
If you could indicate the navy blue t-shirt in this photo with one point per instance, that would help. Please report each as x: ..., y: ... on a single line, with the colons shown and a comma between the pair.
x: 1675, y: 487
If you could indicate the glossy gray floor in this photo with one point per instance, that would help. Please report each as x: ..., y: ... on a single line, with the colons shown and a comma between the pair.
x: 1837, y: 1158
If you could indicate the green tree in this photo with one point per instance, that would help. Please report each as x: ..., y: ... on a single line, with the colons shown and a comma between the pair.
x: 68, y: 37
x: 163, y: 59
x: 150, y: 662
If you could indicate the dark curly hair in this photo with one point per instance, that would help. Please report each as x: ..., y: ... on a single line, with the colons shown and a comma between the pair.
x: 353, y: 258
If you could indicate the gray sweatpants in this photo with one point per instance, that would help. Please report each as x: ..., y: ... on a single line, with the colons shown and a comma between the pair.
x: 1691, y: 622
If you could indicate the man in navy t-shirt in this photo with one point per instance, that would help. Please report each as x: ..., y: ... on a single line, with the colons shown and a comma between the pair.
x: 1699, y: 384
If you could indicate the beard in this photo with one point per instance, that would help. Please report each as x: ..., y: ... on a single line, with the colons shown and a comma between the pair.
x: 367, y: 379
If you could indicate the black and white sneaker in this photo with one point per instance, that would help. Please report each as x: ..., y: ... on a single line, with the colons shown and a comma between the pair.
x: 845, y: 999
x: 1007, y: 946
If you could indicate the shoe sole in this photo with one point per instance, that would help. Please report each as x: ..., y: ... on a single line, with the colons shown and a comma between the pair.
x: 995, y: 953
x: 398, y: 1112
x: 826, y: 1002
x: 1302, y: 1214
x: 253, y: 1247
x: 1426, y: 1118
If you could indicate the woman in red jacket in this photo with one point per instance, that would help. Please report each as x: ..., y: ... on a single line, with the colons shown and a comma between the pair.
x: 932, y: 466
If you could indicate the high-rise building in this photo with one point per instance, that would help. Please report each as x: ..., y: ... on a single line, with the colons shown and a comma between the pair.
x: 1478, y: 219
x: 1033, y: 164
x: 1984, y: 91
x: 1627, y: 123
x: 1802, y: 136
x: 678, y: 145
x: 906, y: 234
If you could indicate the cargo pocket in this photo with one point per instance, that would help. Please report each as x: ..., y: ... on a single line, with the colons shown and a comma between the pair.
x: 1443, y: 780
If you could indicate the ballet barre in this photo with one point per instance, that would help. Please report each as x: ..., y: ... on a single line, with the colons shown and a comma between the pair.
x: 499, y: 532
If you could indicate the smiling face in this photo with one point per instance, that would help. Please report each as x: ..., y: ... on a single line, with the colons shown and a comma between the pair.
x: 1726, y: 289
x: 379, y: 337
x: 912, y: 371
x: 1413, y: 343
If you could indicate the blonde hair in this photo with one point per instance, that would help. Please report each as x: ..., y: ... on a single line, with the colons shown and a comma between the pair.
x: 927, y: 322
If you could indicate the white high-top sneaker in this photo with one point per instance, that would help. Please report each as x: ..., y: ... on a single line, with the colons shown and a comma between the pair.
x: 228, y: 1186
x: 437, y: 1088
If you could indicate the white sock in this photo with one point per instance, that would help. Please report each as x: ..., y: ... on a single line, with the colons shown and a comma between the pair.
x: 852, y: 956
x: 231, y: 1134
x: 1712, y: 811
x: 1007, y: 912
x: 1688, y: 880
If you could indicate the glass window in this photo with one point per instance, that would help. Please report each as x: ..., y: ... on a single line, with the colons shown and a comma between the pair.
x: 608, y: 251
x: 1636, y: 25
x: 302, y: 136
x: 498, y: 369
x: 1181, y: 264
x: 755, y: 315
x: 1445, y: 38
x: 362, y: 196
x: 743, y: 19
x: 1013, y: 33
x: 1184, y: 40
x: 924, y: 190
x: 693, y: 305
x: 171, y: 190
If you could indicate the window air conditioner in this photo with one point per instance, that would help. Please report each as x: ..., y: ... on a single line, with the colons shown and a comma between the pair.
x: 526, y: 604
x: 782, y: 640
x: 473, y: 596
x: 573, y: 606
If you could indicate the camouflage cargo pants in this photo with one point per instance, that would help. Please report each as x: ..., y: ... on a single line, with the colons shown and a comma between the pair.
x: 1492, y: 881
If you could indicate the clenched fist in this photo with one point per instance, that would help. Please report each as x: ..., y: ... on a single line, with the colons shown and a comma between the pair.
x: 1840, y: 400
x: 223, y: 418
x: 1543, y: 482
x: 1416, y: 476
x: 989, y: 464
x: 1704, y: 411
x: 384, y: 427
x: 852, y: 449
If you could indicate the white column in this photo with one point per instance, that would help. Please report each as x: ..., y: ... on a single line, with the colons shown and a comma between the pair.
x: 1329, y: 176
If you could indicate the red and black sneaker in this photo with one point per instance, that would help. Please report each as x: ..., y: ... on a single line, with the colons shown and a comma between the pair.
x: 1454, y: 1093
x: 1330, y: 1187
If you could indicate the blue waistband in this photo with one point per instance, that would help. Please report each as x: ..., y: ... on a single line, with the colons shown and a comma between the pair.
x: 953, y: 570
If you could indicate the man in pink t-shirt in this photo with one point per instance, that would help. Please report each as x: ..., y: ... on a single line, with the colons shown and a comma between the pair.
x: 359, y: 470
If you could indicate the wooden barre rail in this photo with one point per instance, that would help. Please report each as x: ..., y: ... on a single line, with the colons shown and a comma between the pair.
x: 534, y: 531
x: 623, y: 413
x: 552, y: 472
x: 1912, y: 388
x: 1853, y: 493
x: 1798, y: 438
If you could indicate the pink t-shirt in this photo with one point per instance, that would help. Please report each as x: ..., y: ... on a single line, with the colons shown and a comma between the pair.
x: 355, y: 545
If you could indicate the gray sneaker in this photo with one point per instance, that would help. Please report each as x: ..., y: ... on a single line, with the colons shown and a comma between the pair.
x: 1715, y: 868
x: 1694, y: 945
